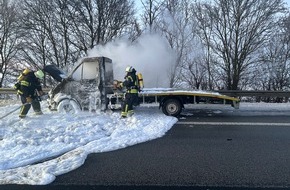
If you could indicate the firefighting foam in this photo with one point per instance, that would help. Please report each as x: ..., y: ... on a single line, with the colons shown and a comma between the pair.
x: 38, y: 148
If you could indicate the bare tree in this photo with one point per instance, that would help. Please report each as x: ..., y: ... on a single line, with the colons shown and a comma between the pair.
x: 194, y: 77
x: 238, y: 28
x: 151, y: 13
x: 97, y: 22
x: 9, y: 38
x: 61, y: 31
x: 178, y: 27
x: 134, y: 31
x: 39, y: 46
x: 275, y: 57
x: 204, y: 29
x: 49, y: 26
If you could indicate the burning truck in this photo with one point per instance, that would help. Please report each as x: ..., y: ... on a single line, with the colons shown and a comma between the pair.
x: 90, y: 87
x: 85, y: 88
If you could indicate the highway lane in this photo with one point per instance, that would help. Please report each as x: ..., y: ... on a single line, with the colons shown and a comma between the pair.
x: 206, y: 149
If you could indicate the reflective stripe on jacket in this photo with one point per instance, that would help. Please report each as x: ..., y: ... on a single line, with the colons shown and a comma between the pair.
x: 131, y: 83
x: 132, y: 91
x: 24, y: 83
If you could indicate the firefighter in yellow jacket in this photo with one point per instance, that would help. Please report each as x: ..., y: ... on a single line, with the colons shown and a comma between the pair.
x: 29, y: 89
x: 131, y: 95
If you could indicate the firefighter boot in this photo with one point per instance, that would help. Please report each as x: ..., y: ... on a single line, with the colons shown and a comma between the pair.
x: 130, y: 113
x: 123, y: 115
x: 36, y: 107
x: 24, y: 110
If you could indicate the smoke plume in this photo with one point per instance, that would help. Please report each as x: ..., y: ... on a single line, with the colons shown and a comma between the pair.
x: 149, y: 55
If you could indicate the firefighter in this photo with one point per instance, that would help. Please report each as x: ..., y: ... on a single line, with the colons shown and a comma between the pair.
x: 29, y: 89
x: 131, y: 95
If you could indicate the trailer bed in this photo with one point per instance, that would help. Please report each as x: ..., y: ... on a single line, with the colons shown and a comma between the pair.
x: 172, y: 101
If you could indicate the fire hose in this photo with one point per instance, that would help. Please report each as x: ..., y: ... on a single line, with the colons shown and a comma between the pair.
x: 39, y: 98
x: 14, y: 110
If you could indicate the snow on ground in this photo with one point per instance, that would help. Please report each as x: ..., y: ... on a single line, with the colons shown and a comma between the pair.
x: 38, y: 148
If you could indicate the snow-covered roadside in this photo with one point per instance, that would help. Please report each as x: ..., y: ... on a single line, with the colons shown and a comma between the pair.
x: 36, y: 149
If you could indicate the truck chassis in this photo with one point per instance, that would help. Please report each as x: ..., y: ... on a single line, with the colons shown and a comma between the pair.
x: 172, y: 101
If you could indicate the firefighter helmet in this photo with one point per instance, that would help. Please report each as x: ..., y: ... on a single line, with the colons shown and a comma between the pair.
x: 129, y: 69
x: 39, y: 74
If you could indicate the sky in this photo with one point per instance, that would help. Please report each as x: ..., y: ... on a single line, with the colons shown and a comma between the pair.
x: 38, y: 148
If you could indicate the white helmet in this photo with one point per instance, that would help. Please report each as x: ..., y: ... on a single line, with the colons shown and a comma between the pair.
x: 129, y: 69
x: 39, y: 74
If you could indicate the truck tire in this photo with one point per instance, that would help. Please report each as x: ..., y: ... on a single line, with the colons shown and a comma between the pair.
x: 172, y: 107
x: 68, y: 106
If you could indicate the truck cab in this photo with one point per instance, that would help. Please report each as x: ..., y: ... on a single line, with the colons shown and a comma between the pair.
x: 85, y: 88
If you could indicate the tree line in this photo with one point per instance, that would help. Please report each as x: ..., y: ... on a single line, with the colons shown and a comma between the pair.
x: 218, y: 44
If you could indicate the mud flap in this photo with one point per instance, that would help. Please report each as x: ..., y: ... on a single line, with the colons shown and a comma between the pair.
x: 55, y: 72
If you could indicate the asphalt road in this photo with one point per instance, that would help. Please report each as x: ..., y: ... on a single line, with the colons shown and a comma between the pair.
x: 209, y: 150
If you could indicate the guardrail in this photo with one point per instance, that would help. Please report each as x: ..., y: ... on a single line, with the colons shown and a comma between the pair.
x: 255, y: 93
x: 13, y: 91
x: 234, y: 93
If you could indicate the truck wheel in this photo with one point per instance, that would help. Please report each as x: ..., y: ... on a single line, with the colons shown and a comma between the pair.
x: 68, y: 106
x: 172, y: 107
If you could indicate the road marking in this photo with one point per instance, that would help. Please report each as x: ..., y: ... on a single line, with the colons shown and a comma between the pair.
x: 231, y: 123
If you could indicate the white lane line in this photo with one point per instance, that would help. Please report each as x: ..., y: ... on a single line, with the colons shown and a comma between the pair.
x: 231, y: 123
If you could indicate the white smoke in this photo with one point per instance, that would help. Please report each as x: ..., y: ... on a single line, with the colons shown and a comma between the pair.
x: 149, y: 55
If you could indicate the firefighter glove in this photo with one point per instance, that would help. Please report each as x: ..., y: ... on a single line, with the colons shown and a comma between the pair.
x: 117, y: 84
x: 28, y: 100
x: 16, y: 86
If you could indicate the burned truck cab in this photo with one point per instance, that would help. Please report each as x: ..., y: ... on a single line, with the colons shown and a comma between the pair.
x: 85, y: 88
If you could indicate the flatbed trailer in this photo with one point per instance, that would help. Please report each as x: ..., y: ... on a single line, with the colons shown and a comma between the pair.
x: 172, y: 101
